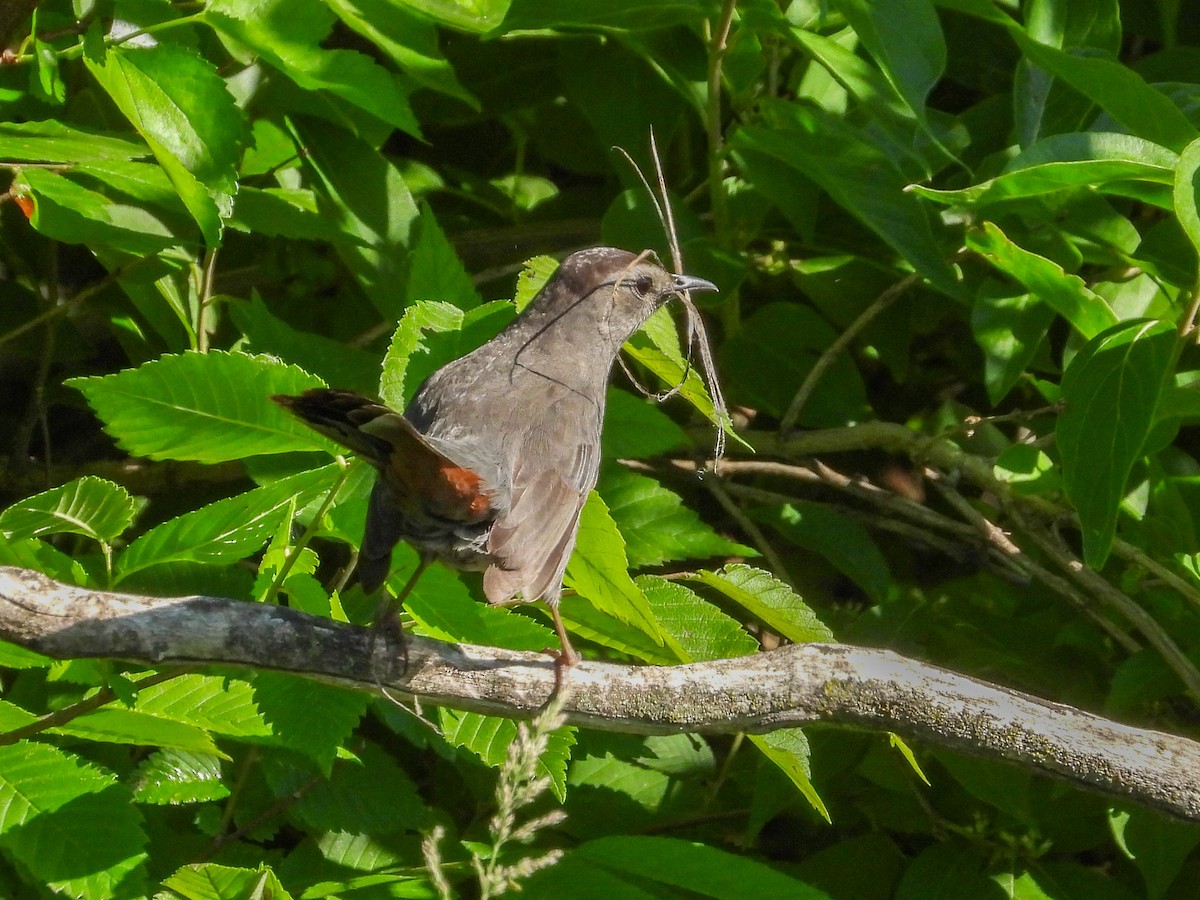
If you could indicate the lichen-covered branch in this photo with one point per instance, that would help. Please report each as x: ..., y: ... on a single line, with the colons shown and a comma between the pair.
x: 797, y: 685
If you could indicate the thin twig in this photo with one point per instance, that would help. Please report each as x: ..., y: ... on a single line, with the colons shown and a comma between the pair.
x: 67, y: 714
x: 835, y: 350
x: 757, y: 538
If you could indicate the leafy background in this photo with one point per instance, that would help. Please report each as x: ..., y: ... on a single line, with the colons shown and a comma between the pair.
x: 969, y: 230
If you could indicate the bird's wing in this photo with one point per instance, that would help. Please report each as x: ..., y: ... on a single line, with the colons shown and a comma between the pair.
x: 530, y: 544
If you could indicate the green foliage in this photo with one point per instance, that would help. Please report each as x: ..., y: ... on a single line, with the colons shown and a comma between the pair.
x: 977, y: 220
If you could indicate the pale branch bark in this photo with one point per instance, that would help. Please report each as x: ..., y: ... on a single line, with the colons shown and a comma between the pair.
x: 797, y: 685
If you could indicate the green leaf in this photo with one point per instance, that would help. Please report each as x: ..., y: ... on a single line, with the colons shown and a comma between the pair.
x: 637, y: 428
x: 693, y: 867
x: 220, y: 705
x: 621, y: 14
x: 93, y: 847
x: 364, y: 195
x: 349, y: 797
x: 490, y: 738
x: 36, y: 779
x: 1111, y: 391
x: 1096, y: 160
x: 410, y: 40
x: 534, y: 275
x: 68, y: 212
x: 173, y: 777
x: 89, y: 506
x: 1009, y: 327
x: 311, y: 718
x: 54, y: 142
x: 127, y: 726
x: 287, y: 35
x: 845, y: 543
x: 859, y: 178
x: 1187, y: 189
x: 772, y: 353
x: 443, y: 609
x: 435, y: 271
x: 227, y: 530
x: 431, y: 334
x: 599, y: 571
x: 181, y: 107
x: 1117, y: 89
x: 1086, y: 310
x: 699, y: 628
x: 333, y: 361
x: 788, y: 749
x: 209, y: 881
x: 1157, y: 846
x: 280, y: 212
x: 905, y: 38
x: 769, y: 599
x: 208, y: 407
x: 656, y: 525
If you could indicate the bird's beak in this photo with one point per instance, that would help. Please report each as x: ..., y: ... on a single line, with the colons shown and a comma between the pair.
x: 683, y: 283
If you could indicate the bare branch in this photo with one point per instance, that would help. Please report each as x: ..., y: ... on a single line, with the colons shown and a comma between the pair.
x: 797, y: 685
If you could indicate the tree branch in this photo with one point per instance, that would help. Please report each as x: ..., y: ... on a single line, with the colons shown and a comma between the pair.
x: 797, y: 685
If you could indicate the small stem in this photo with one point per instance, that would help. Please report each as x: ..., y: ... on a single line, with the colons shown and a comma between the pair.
x: 86, y: 294
x: 834, y: 350
x: 205, y: 296
x: 61, y: 717
x: 294, y: 553
x: 716, y: 57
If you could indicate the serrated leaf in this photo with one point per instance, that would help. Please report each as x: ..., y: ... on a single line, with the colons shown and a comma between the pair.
x: 445, y: 610
x: 209, y: 881
x: 91, y: 848
x: 90, y: 506
x: 174, y: 777
x: 788, y: 749
x: 763, y: 595
x: 36, y: 779
x: 220, y: 705
x: 490, y: 737
x: 208, y: 407
x: 534, y: 275
x: 127, y: 726
x: 350, y: 797
x: 1111, y: 390
x: 336, y: 363
x: 181, y: 107
x: 431, y: 334
x: 701, y: 629
x: 1086, y: 310
x: 227, y: 530
x: 656, y: 525
x: 311, y: 718
x: 599, y: 571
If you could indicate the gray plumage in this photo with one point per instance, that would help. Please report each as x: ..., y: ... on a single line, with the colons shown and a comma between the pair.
x: 490, y: 465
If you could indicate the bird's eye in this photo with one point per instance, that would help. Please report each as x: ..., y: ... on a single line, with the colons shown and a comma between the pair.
x: 642, y: 285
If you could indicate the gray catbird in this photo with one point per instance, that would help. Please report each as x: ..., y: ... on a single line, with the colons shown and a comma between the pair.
x: 489, y: 466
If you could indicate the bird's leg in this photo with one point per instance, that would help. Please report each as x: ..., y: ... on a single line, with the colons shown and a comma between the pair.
x: 387, y: 615
x: 565, y: 658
